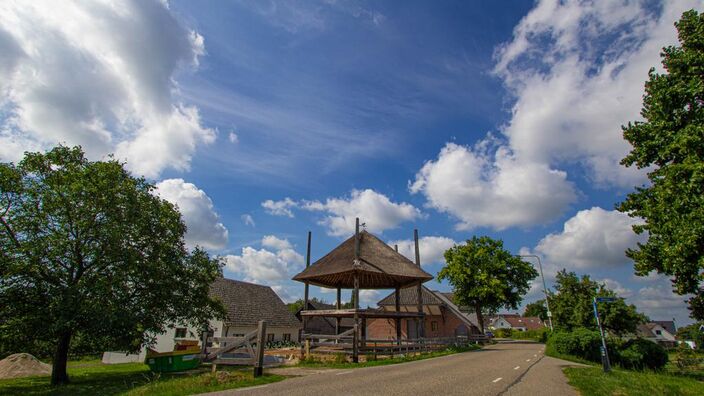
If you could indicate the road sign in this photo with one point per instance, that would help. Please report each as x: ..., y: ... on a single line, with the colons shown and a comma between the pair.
x: 605, y: 299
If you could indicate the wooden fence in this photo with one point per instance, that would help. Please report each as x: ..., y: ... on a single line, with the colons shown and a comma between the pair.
x: 246, y: 345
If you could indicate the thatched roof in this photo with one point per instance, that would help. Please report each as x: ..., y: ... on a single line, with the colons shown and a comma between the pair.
x: 247, y: 303
x: 379, y: 266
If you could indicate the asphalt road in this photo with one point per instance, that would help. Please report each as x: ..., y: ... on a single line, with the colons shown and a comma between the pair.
x: 510, y: 369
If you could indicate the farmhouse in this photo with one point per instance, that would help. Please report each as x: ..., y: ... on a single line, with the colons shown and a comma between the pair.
x: 442, y: 317
x: 515, y: 322
x: 660, y: 331
x: 245, y: 304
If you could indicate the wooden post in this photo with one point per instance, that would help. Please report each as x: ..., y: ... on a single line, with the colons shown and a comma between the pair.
x: 338, y: 306
x: 261, y: 341
x: 398, y: 309
x: 420, y: 330
x: 305, y: 293
x: 204, y: 341
x: 355, y: 339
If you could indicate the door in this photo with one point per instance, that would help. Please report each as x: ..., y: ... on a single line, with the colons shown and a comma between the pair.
x: 411, y: 330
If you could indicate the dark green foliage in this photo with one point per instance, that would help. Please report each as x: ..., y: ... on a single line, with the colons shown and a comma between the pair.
x: 670, y: 143
x: 572, y: 308
x: 692, y: 333
x: 485, y: 276
x: 537, y: 309
x: 91, y: 258
x: 582, y: 343
x: 639, y: 354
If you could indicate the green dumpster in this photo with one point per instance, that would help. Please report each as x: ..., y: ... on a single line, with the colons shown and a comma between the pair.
x: 173, y: 361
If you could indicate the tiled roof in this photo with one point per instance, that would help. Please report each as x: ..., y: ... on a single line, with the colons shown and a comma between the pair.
x: 529, y: 322
x: 247, y: 303
x: 344, y: 322
x: 409, y: 296
x: 668, y: 325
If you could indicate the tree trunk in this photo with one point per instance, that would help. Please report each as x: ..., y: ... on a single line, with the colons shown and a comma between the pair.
x: 59, y: 376
x: 480, y: 317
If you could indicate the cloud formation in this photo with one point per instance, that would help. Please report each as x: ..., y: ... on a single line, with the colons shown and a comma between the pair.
x: 203, y: 223
x: 266, y: 266
x: 98, y: 74
x: 432, y: 248
x: 483, y: 186
x: 280, y: 208
x: 593, y: 238
x: 374, y: 209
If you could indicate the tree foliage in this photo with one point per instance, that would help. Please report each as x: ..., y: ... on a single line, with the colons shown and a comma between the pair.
x: 572, y: 308
x: 537, y: 309
x: 670, y: 142
x: 486, y: 276
x: 90, y: 254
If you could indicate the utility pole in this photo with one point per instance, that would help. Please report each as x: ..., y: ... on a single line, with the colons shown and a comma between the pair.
x: 604, y: 352
x: 545, y: 288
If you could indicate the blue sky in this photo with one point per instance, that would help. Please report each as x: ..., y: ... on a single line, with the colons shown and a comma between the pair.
x: 265, y: 119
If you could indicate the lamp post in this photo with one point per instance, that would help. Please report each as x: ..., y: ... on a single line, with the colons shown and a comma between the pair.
x: 545, y: 289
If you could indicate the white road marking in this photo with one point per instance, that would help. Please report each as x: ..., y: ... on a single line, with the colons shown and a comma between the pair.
x: 344, y: 372
x: 517, y: 367
x: 250, y: 388
x: 497, y: 380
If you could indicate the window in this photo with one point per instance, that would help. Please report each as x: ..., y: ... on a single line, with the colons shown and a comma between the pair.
x: 434, y: 326
x: 270, y: 337
x: 658, y: 332
x: 287, y: 337
x: 181, y: 332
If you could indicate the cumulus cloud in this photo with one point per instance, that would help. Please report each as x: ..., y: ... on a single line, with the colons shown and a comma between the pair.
x: 659, y: 302
x: 374, y: 209
x: 368, y: 297
x: 432, y: 248
x: 617, y: 287
x: 593, y: 238
x: 203, y: 223
x: 101, y: 75
x: 576, y: 70
x: 280, y: 208
x: 264, y: 265
x: 488, y: 186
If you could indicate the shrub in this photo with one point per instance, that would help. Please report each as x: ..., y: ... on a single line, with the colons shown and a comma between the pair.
x: 581, y: 342
x: 503, y: 333
x: 639, y: 353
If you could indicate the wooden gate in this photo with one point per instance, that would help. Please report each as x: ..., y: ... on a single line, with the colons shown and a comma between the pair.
x: 238, y: 345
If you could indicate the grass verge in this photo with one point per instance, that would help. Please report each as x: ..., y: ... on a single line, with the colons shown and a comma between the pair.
x: 593, y: 381
x: 387, y: 361
x: 95, y: 378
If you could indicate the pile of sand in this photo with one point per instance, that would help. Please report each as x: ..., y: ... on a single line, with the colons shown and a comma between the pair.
x: 22, y: 365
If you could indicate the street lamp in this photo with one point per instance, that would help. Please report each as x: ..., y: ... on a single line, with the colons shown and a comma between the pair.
x: 545, y: 289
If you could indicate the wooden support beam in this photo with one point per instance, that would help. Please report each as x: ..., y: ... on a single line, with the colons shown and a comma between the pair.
x: 398, y: 309
x: 305, y: 293
x: 338, y: 305
x: 355, y: 344
x: 419, y: 322
x: 261, y: 341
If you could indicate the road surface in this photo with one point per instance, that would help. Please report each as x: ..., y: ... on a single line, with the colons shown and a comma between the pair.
x: 501, y: 369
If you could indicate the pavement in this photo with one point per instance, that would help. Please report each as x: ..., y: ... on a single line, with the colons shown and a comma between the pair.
x: 501, y: 369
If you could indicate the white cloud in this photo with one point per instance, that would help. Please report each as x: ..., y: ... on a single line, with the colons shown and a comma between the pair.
x: 248, y: 220
x: 497, y: 190
x: 616, y: 287
x: 659, y: 302
x: 265, y: 266
x: 203, y: 223
x: 275, y: 243
x: 432, y: 248
x: 279, y: 208
x: 234, y: 139
x: 577, y: 71
x: 287, y: 293
x: 374, y: 209
x: 368, y: 297
x: 593, y: 238
x: 101, y: 75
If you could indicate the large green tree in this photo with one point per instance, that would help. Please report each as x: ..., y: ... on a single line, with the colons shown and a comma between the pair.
x: 485, y: 276
x: 572, y: 306
x: 670, y: 143
x: 90, y: 253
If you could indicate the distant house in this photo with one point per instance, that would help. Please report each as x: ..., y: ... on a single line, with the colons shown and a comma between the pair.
x: 515, y: 322
x: 321, y: 324
x: 443, y: 318
x: 246, y: 304
x: 660, y: 331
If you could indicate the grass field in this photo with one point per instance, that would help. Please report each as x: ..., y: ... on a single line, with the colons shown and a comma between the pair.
x: 95, y: 378
x: 593, y: 381
x: 341, y: 364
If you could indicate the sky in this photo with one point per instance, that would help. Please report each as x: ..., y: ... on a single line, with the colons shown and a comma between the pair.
x: 263, y: 120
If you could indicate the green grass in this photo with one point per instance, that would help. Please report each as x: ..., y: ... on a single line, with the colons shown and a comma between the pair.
x: 95, y: 378
x: 593, y: 381
x: 382, y: 362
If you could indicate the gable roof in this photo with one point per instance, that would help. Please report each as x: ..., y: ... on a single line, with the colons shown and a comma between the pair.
x: 316, y: 305
x: 529, y: 322
x: 379, y: 266
x: 409, y: 296
x: 668, y: 325
x: 247, y: 303
x: 648, y: 329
